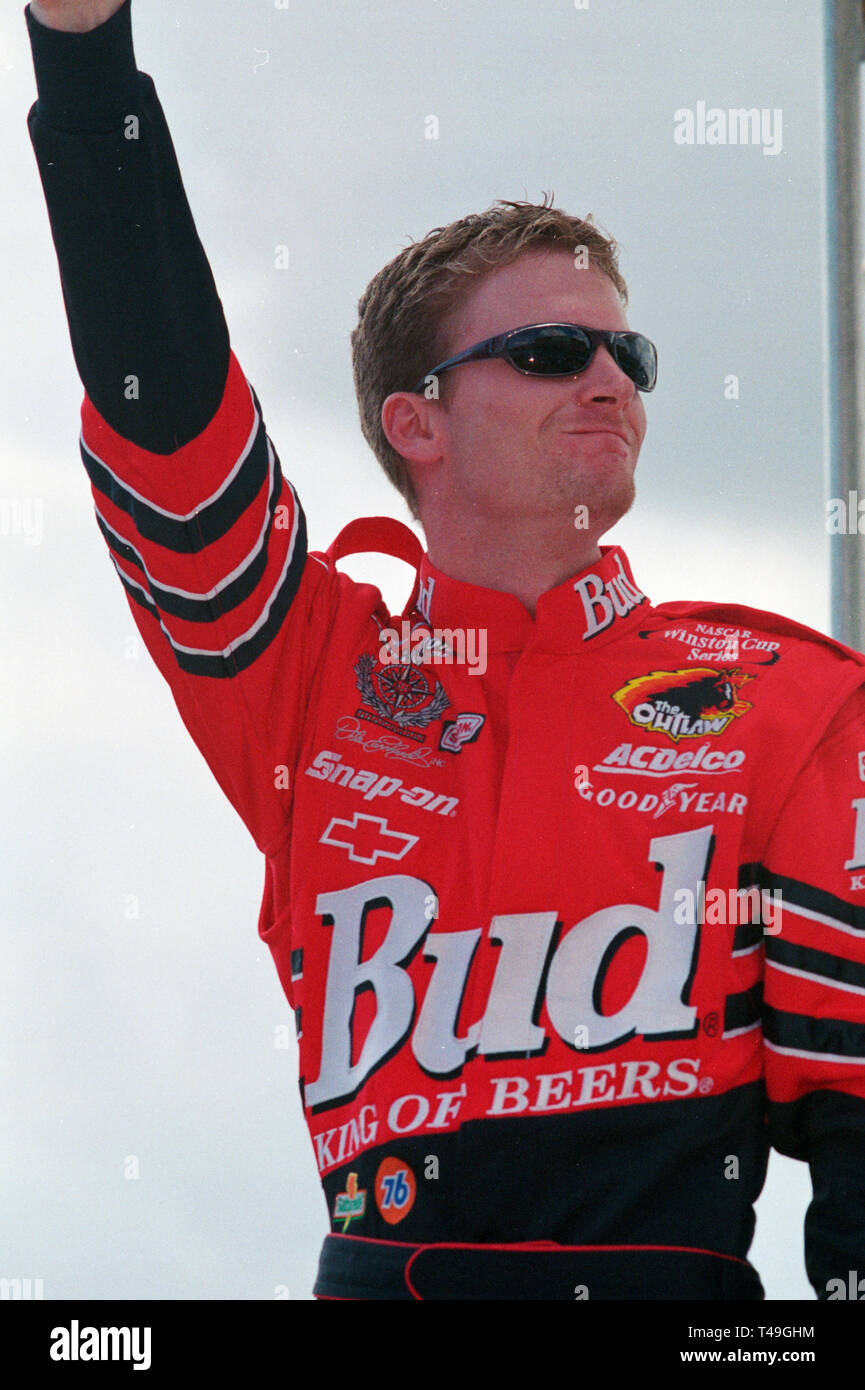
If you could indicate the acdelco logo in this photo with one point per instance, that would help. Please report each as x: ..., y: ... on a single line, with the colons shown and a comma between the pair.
x: 649, y: 761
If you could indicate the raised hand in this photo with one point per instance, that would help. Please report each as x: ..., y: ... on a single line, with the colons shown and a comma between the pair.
x: 74, y: 16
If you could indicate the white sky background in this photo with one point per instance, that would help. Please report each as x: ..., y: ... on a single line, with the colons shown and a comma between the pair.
x: 153, y: 1035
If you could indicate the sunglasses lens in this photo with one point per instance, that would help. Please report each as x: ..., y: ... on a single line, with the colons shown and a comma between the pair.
x: 637, y: 358
x: 550, y: 351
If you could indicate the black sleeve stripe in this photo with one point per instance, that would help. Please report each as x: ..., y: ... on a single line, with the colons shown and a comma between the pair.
x: 747, y: 937
x: 812, y: 964
x: 742, y: 1011
x: 827, y: 1039
x: 210, y: 519
x: 807, y: 901
x: 247, y: 648
x: 234, y: 589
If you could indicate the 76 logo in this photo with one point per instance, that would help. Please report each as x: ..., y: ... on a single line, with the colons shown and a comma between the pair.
x: 395, y: 1190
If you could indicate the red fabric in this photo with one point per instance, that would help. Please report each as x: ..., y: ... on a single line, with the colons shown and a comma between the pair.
x: 457, y: 895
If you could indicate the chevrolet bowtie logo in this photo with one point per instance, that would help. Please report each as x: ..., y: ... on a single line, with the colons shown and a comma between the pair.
x: 370, y: 834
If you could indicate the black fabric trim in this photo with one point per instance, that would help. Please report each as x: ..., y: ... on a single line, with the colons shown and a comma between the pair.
x: 747, y: 934
x: 183, y: 536
x: 798, y: 894
x: 203, y: 609
x: 216, y: 665
x: 829, y: 967
x: 826, y: 1129
x: 830, y: 1035
x: 743, y: 1009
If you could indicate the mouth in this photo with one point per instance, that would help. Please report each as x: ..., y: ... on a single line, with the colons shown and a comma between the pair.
x: 617, y: 434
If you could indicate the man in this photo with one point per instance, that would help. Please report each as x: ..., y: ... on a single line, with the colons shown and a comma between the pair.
x: 566, y: 890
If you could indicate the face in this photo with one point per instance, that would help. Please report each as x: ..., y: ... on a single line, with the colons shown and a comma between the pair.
x: 530, y: 447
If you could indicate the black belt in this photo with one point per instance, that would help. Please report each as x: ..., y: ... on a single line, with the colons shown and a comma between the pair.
x: 364, y: 1268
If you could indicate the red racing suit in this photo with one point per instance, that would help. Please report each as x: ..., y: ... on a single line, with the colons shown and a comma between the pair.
x: 491, y: 895
x: 570, y: 909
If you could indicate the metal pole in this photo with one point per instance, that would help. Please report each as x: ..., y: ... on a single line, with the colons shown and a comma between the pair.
x: 844, y: 28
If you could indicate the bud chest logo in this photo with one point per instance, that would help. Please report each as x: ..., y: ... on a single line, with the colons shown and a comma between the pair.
x: 685, y: 704
x: 532, y: 963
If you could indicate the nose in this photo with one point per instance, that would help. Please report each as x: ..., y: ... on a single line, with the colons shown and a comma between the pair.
x: 604, y: 379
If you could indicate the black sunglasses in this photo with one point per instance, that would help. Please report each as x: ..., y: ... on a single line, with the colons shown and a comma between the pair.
x: 561, y: 349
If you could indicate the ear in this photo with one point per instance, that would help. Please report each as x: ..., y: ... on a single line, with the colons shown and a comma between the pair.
x: 413, y: 426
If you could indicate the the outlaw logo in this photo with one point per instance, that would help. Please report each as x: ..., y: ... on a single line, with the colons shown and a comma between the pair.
x: 402, y: 698
x: 351, y: 1204
x: 685, y: 704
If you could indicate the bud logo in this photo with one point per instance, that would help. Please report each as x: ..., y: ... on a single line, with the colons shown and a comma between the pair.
x: 603, y: 603
x: 424, y: 598
x: 395, y: 1190
x: 351, y: 1204
x: 685, y: 704
x: 568, y: 975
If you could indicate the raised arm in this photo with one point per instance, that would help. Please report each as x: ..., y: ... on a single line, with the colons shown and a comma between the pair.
x: 206, y: 536
x: 74, y: 16
x: 147, y: 328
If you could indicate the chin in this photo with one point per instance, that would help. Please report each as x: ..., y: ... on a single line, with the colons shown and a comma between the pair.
x: 607, y: 498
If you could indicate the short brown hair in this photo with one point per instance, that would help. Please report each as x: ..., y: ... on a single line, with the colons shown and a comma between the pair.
x: 403, y: 312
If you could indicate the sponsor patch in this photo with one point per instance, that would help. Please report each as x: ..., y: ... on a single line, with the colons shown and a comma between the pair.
x: 679, y: 796
x: 329, y: 767
x: 395, y: 1190
x: 367, y: 838
x: 402, y: 698
x: 685, y: 704
x: 351, y: 1204
x: 647, y: 760
x: 457, y: 732
x: 715, y: 642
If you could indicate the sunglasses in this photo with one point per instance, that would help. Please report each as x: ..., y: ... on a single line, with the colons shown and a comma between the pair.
x: 561, y: 349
